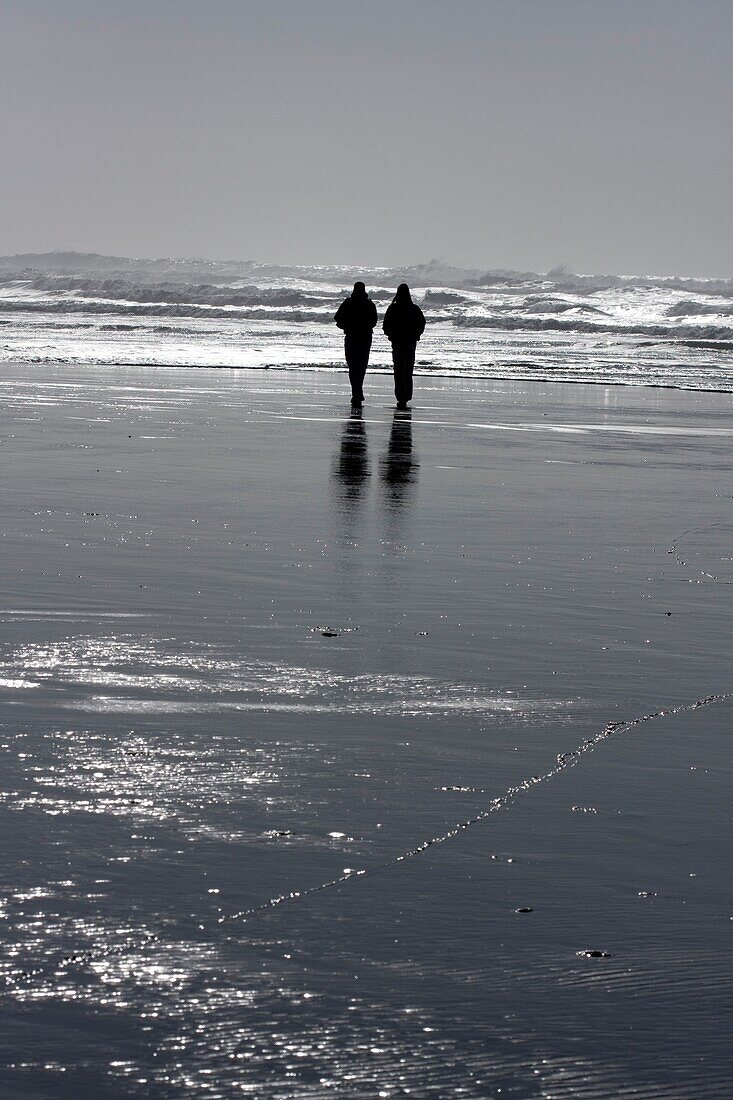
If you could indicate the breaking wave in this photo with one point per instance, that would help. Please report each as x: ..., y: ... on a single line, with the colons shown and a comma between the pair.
x: 161, y: 309
x: 530, y: 316
x: 576, y: 324
x: 687, y: 308
x: 122, y: 290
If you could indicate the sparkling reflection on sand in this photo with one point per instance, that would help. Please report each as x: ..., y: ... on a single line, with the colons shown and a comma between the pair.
x: 292, y: 806
x: 82, y: 665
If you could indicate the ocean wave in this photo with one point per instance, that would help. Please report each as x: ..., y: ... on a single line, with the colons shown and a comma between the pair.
x: 442, y: 298
x: 687, y: 308
x: 709, y: 345
x: 124, y: 309
x: 567, y: 283
x: 502, y: 316
x: 123, y: 290
x: 540, y: 303
x: 435, y: 273
x: 162, y: 330
x: 512, y: 322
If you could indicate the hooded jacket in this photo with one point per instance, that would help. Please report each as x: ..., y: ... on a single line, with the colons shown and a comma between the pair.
x: 357, y: 314
x: 404, y: 322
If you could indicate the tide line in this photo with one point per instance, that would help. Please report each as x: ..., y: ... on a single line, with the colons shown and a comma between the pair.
x: 563, y: 761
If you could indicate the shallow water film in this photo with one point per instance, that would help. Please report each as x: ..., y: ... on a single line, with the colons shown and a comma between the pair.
x: 363, y: 754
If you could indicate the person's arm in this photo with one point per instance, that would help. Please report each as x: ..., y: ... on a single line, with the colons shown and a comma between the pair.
x: 373, y: 315
x: 341, y: 312
x: 420, y: 318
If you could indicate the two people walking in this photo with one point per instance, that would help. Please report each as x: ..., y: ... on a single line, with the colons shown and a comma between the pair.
x: 403, y: 325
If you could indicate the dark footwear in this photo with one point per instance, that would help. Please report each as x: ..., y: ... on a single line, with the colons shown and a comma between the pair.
x: 402, y: 406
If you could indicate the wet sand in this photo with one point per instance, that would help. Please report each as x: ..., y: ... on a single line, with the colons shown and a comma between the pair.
x: 363, y: 755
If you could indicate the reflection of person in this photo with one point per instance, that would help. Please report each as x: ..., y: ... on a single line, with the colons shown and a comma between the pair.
x: 404, y: 324
x: 399, y: 467
x: 352, y: 464
x: 357, y: 316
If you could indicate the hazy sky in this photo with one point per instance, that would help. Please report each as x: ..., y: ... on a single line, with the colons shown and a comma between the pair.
x: 518, y: 133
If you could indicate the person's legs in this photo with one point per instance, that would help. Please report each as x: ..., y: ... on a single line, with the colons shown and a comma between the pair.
x: 403, y: 359
x: 357, y: 360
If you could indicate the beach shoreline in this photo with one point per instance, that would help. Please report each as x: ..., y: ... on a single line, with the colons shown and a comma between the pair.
x: 452, y: 684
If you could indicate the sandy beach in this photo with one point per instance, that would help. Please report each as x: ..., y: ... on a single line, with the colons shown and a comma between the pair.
x: 363, y: 755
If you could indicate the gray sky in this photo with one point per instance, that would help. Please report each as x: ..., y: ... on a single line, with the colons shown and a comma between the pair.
x: 518, y: 133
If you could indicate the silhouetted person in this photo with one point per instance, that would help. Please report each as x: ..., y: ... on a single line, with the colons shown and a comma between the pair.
x: 404, y: 324
x: 357, y: 316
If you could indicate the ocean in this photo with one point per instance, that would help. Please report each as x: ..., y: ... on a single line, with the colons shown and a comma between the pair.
x: 76, y: 308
